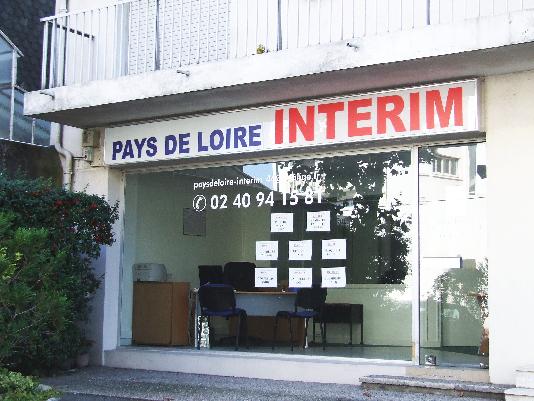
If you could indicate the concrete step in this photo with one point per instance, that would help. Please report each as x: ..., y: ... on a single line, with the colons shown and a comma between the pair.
x: 525, y: 377
x: 449, y: 373
x: 436, y: 386
x: 519, y: 394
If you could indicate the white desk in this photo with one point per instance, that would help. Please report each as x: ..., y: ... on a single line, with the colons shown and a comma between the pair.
x: 256, y: 303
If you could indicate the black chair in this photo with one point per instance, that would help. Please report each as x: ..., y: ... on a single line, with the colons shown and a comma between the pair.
x: 210, y: 274
x: 218, y: 300
x: 308, y: 305
x: 240, y: 275
x: 341, y: 313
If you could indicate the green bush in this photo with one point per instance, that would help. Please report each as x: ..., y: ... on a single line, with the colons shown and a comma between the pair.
x: 48, y: 237
x: 16, y: 387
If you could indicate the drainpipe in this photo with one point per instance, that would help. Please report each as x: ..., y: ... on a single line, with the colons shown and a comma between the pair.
x: 65, y: 154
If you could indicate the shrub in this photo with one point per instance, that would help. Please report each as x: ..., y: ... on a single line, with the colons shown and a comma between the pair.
x: 48, y: 237
x: 16, y: 387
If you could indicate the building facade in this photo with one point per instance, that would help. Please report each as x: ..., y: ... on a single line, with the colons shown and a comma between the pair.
x: 369, y: 148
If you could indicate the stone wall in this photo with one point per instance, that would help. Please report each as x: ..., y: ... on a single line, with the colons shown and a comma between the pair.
x: 31, y: 161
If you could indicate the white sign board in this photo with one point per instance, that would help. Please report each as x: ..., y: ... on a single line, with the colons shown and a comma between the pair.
x: 334, y: 249
x: 300, y: 250
x: 300, y: 278
x: 333, y: 277
x: 266, y: 277
x: 422, y: 110
x: 281, y: 222
x: 318, y: 221
x: 266, y: 250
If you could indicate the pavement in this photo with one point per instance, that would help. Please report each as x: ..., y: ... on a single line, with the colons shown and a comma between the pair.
x: 108, y: 384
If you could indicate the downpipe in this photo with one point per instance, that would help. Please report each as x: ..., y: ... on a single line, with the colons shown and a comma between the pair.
x: 65, y: 154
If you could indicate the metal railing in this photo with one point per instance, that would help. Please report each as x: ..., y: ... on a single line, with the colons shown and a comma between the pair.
x: 137, y: 36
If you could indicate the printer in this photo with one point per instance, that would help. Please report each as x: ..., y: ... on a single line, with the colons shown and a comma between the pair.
x: 149, y: 272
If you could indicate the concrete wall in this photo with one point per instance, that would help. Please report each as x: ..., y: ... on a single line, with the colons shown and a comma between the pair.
x: 103, y: 326
x: 510, y: 142
x: 32, y: 161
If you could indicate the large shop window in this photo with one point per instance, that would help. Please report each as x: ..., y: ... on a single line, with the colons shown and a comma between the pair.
x: 342, y: 223
x: 454, y: 265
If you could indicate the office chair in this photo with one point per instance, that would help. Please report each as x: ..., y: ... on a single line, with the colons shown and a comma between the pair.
x: 240, y: 275
x: 308, y: 305
x: 210, y: 274
x: 218, y: 300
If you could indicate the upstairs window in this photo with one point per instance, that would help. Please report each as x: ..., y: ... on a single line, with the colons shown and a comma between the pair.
x: 445, y: 165
x: 14, y: 125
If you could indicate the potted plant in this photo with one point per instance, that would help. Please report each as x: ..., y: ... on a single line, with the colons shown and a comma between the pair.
x: 82, y: 360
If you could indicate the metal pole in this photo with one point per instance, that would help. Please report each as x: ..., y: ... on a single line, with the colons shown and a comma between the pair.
x: 157, y: 39
x: 279, y: 33
x: 416, y: 279
x: 12, y: 102
x: 45, y: 56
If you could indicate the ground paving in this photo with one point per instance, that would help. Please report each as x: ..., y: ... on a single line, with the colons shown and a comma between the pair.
x: 107, y: 384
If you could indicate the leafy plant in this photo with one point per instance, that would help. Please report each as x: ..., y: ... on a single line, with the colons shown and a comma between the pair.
x: 16, y: 387
x: 48, y: 237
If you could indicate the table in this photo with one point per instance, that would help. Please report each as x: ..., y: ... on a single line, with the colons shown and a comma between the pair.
x: 257, y: 303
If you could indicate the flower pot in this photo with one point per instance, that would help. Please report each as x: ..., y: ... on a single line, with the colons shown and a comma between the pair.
x: 82, y: 360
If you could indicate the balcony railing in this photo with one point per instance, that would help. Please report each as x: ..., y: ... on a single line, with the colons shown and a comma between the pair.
x: 137, y: 36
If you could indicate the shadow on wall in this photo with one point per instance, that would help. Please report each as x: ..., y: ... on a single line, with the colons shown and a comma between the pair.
x: 30, y: 161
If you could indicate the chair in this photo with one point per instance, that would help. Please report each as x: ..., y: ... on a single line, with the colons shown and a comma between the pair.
x: 308, y: 305
x: 210, y: 274
x: 218, y: 300
x: 340, y: 313
x: 240, y: 275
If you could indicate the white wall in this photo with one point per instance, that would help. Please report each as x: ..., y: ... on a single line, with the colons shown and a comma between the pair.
x: 510, y: 143
x: 103, y: 325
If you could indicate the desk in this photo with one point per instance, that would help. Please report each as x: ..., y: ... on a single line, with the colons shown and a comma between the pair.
x: 263, y: 303
x: 257, y: 303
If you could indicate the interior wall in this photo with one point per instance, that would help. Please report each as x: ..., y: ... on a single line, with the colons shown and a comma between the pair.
x: 510, y: 141
x: 153, y: 232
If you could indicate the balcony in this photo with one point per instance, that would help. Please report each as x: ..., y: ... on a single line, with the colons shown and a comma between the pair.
x: 117, y: 56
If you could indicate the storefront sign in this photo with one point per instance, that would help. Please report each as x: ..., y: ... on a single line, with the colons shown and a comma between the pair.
x: 424, y: 110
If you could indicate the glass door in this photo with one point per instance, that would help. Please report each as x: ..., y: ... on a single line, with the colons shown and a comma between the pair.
x: 453, y: 261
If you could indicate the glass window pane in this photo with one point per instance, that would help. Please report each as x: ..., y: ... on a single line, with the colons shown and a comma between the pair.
x: 446, y: 166
x: 5, y: 112
x: 454, y: 266
x: 345, y: 220
x: 6, y: 62
x: 454, y: 166
x: 22, y: 125
x: 42, y: 132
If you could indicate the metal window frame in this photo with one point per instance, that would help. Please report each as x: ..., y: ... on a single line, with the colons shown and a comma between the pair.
x: 413, y: 148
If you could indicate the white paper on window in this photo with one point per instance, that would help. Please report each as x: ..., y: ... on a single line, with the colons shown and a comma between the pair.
x: 333, y: 277
x: 266, y: 277
x: 334, y: 249
x: 282, y: 222
x: 300, y: 250
x: 266, y: 250
x: 300, y: 277
x: 318, y: 221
